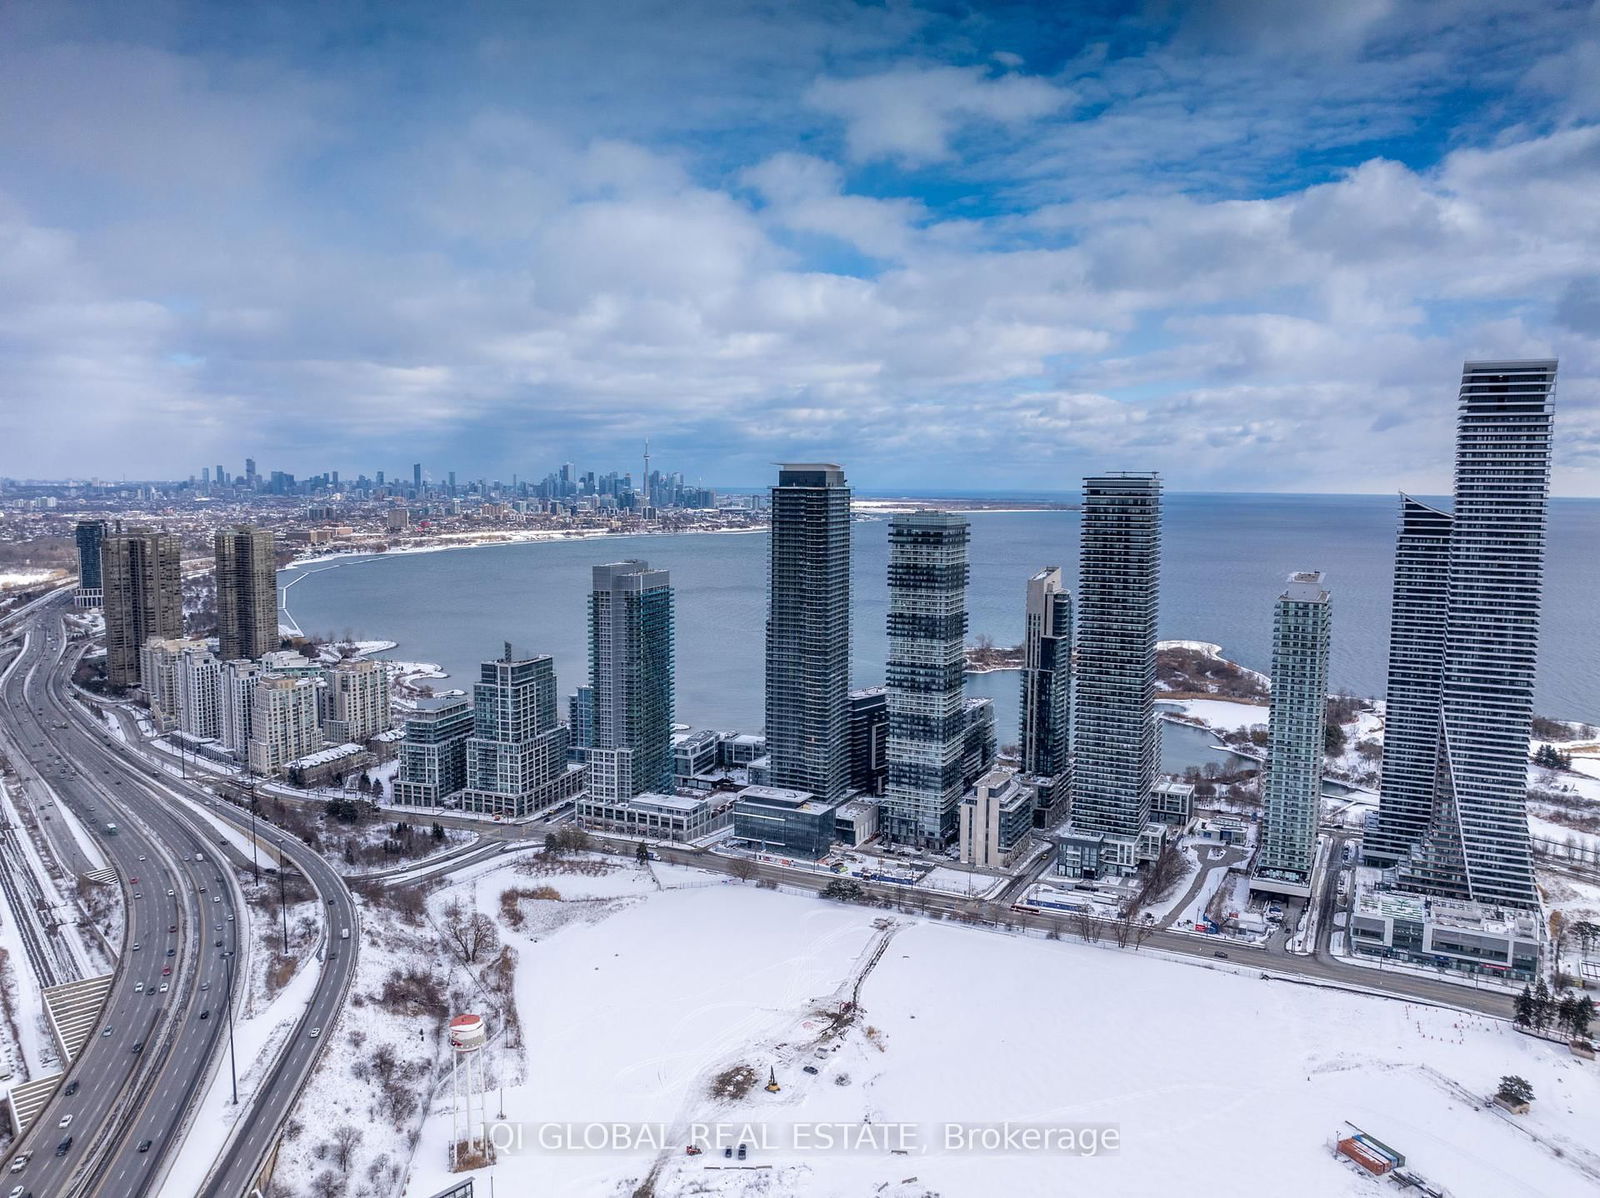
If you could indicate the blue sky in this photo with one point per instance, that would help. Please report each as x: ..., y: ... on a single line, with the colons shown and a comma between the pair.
x: 1246, y: 243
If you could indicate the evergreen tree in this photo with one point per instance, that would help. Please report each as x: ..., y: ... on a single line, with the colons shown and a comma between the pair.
x: 1541, y: 1005
x: 641, y: 854
x: 1514, y: 1089
x: 1582, y: 1015
x: 1524, y: 1015
x: 1564, y: 1011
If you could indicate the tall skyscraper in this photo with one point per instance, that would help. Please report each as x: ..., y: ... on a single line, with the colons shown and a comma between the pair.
x: 1046, y: 741
x: 1302, y: 626
x: 1475, y: 842
x: 1114, y: 734
x: 143, y: 585
x: 416, y: 476
x: 630, y: 681
x: 517, y: 755
x: 247, y: 593
x: 250, y: 475
x: 926, y: 676
x: 90, y: 534
x: 1419, y: 617
x: 808, y: 630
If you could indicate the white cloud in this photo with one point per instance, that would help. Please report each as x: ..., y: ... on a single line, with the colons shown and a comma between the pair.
x: 912, y: 113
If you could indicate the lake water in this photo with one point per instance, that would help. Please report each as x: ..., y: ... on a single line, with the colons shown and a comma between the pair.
x: 1225, y: 558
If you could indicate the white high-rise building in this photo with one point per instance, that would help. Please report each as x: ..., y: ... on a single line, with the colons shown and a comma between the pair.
x: 1474, y: 843
x: 355, y: 701
x: 235, y: 696
x: 283, y: 722
x: 158, y: 670
x: 1302, y: 626
x: 199, y: 693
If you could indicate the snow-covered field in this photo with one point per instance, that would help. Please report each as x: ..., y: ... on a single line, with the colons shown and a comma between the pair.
x: 631, y: 1007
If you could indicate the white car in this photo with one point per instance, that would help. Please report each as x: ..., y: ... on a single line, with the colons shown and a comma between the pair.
x: 315, y: 1032
x: 163, y: 987
x: 66, y: 1121
x: 138, y: 988
x: 137, y: 946
x: 172, y: 894
x: 21, y: 1163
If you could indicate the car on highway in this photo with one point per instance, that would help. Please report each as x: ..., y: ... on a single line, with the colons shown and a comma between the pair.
x: 315, y: 1032
x: 205, y: 985
x: 219, y: 942
x: 137, y: 895
x: 21, y: 1163
x: 216, y: 898
x: 66, y: 1121
x: 172, y: 952
x: 137, y: 946
x: 142, y: 857
x: 230, y: 916
x: 172, y: 927
x: 72, y: 1089
x: 206, y: 1014
x: 64, y: 1147
x: 138, y: 988
x: 164, y: 985
x: 144, y: 1145
x: 138, y: 1046
x: 106, y: 1033
x: 135, y: 881
x: 172, y: 894
x: 166, y: 972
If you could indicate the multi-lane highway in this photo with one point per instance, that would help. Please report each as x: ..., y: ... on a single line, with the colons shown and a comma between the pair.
x: 120, y: 1091
x: 164, y: 1025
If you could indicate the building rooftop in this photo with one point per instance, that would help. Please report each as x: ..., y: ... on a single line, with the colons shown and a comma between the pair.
x: 324, y: 756
x: 781, y: 796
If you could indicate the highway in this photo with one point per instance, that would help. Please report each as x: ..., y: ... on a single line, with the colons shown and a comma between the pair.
x: 126, y: 1097
x: 122, y: 1095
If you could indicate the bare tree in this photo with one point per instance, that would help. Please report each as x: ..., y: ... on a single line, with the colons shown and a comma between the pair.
x: 345, y: 1138
x: 1087, y: 925
x: 743, y: 868
x: 470, y: 932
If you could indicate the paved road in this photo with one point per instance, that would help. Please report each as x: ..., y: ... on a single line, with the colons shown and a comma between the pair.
x: 121, y: 1096
x: 1307, y: 969
x: 258, y: 1130
x: 132, y: 1096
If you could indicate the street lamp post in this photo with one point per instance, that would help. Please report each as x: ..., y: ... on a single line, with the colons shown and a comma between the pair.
x: 282, y: 902
x: 233, y: 1067
x: 255, y: 856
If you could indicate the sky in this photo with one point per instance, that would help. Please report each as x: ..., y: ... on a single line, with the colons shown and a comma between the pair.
x: 1247, y: 243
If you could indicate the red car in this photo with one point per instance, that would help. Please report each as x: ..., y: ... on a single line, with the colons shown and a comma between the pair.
x: 166, y: 971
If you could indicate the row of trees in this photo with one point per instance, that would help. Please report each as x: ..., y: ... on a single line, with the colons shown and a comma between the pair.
x: 1539, y: 1009
x: 1552, y: 758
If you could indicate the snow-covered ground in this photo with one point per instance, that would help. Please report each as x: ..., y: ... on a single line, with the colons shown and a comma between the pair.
x: 1228, y: 715
x: 1240, y: 1080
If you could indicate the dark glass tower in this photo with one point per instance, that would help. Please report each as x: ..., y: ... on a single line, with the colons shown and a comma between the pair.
x: 1115, y: 740
x: 808, y: 631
